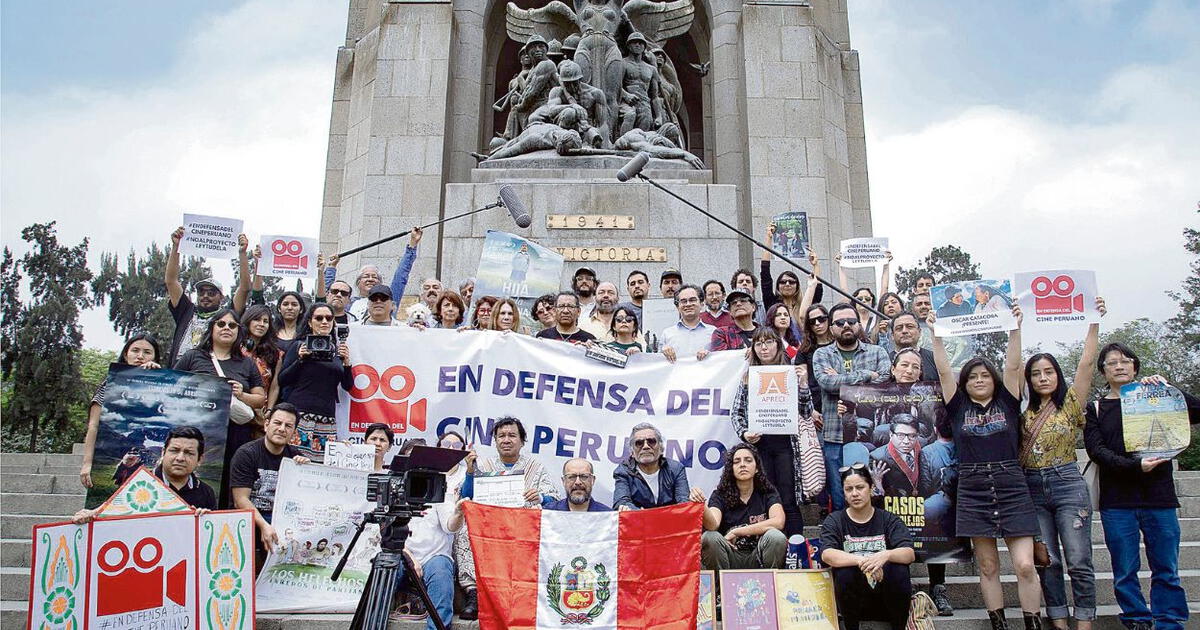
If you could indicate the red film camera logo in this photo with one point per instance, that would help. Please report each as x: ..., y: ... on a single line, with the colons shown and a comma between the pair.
x: 121, y: 588
x: 1053, y: 297
x: 287, y: 254
x: 392, y: 409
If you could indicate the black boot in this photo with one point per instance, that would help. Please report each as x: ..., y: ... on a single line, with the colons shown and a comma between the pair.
x: 997, y: 619
x: 470, y: 609
x: 1033, y: 620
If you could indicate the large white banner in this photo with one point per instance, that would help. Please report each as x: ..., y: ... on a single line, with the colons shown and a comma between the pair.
x: 424, y: 383
x: 317, y: 509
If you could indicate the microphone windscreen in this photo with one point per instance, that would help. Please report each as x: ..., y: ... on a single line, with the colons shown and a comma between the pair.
x: 633, y: 167
x: 520, y: 215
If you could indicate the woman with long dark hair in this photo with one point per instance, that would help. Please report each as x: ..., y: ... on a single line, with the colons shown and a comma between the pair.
x: 984, y: 413
x: 780, y: 453
x: 141, y: 350
x: 219, y: 354
x: 892, y: 305
x: 1053, y: 422
x: 289, y: 308
x: 870, y: 550
x: 817, y: 334
x: 310, y: 378
x: 744, y: 519
x: 786, y: 287
x: 779, y: 319
x: 260, y: 347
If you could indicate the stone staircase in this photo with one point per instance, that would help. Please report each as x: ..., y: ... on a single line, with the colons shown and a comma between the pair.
x: 40, y: 488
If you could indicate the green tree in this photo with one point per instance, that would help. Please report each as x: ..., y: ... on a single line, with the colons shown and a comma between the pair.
x: 136, y: 294
x: 948, y: 263
x: 42, y: 357
x: 1186, y: 325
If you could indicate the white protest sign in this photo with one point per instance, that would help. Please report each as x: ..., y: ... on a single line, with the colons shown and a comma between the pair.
x: 500, y: 490
x: 352, y: 456
x: 972, y: 307
x: 288, y: 256
x: 772, y: 400
x: 210, y: 237
x: 863, y: 252
x: 1062, y: 296
x: 658, y: 314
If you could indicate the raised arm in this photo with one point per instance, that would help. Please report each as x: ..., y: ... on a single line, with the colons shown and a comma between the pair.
x: 885, y: 283
x: 810, y: 291
x: 243, y: 287
x: 319, y: 294
x: 330, y: 270
x: 945, y: 372
x: 1087, y: 359
x: 1012, y: 358
x: 171, y: 278
x: 400, y: 278
x: 842, y: 279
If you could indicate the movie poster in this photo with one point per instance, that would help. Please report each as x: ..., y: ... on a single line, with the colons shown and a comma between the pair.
x: 317, y: 510
x: 973, y: 307
x: 791, y: 234
x: 512, y: 266
x: 891, y: 428
x: 140, y: 408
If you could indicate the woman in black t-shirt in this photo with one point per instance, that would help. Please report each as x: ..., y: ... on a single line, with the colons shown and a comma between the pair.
x: 870, y: 550
x: 310, y: 381
x: 984, y: 414
x: 744, y: 518
x: 222, y: 345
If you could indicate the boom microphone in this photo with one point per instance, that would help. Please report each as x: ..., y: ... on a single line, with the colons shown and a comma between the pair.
x: 633, y: 167
x: 509, y: 200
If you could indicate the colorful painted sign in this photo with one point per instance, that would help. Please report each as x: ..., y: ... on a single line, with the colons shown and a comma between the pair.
x: 805, y: 599
x: 748, y: 600
x: 706, y: 608
x: 1154, y: 419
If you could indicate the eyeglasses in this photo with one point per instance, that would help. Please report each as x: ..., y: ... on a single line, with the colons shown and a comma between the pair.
x: 574, y: 478
x: 339, y: 292
x: 762, y: 343
x: 322, y: 318
x: 207, y: 291
x: 379, y: 298
x: 906, y: 436
x: 1115, y: 362
x: 565, y: 307
x: 651, y: 442
x: 783, y: 281
x: 221, y: 323
x: 842, y: 323
x: 693, y: 300
x: 624, y: 319
x: 741, y: 300
x: 820, y: 319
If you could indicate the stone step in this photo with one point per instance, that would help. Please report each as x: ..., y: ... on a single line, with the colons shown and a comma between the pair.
x: 14, y: 583
x: 1189, y: 558
x: 1189, y: 529
x: 964, y: 590
x: 43, y: 484
x: 977, y: 618
x: 21, y: 525
x: 22, y: 503
x: 45, y: 469
x: 77, y: 449
x: 15, y: 552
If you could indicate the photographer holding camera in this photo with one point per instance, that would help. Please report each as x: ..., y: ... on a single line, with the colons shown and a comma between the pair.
x: 310, y: 375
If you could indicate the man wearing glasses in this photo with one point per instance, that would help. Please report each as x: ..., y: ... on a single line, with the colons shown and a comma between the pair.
x: 578, y: 478
x: 896, y: 466
x: 737, y: 336
x: 648, y: 479
x: 191, y: 319
x: 847, y: 361
x: 690, y: 335
x: 369, y: 276
x: 566, y: 318
x: 339, y: 293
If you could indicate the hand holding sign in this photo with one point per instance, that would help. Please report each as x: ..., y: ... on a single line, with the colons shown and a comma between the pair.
x: 210, y: 237
x: 864, y: 252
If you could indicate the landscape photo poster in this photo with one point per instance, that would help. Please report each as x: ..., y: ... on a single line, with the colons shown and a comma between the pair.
x: 140, y: 408
x: 1154, y: 419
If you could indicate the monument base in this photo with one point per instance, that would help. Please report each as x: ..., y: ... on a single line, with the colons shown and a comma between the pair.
x: 658, y: 232
x: 547, y: 165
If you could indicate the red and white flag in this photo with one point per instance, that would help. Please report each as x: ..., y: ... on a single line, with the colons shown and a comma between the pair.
x: 597, y: 570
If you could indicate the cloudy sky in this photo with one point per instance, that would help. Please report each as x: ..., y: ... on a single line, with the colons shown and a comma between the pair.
x: 1054, y: 135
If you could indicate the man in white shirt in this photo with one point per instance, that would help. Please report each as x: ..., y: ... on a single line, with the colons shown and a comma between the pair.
x: 599, y: 322
x: 690, y: 335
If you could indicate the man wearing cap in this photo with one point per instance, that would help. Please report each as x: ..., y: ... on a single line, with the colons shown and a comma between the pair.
x: 583, y: 284
x: 669, y: 282
x: 369, y: 276
x: 380, y: 307
x: 191, y: 319
x: 690, y: 335
x: 954, y: 304
x: 741, y: 308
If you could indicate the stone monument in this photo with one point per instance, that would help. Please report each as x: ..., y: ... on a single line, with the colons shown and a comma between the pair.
x: 750, y: 109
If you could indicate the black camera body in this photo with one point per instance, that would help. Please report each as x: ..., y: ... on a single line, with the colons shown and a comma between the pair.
x: 321, y: 347
x: 413, y: 482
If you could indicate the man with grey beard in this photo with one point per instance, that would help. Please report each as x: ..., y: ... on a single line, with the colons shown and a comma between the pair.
x: 599, y: 323
x: 647, y: 479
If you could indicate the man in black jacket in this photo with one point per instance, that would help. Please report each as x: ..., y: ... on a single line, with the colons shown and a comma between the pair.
x: 1137, y: 496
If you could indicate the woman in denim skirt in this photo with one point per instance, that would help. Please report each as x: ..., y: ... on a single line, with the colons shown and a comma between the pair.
x: 1052, y: 424
x: 984, y: 413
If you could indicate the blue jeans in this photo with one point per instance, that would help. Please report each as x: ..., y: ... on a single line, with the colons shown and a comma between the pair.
x: 438, y: 575
x: 833, y: 480
x: 1160, y: 528
x: 1064, y: 513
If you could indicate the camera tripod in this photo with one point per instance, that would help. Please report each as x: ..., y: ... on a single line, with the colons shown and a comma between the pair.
x: 386, y: 572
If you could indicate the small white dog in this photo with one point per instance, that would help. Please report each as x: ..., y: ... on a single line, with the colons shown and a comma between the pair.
x: 418, y: 315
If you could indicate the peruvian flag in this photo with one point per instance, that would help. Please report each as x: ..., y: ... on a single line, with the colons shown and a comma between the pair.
x: 547, y: 569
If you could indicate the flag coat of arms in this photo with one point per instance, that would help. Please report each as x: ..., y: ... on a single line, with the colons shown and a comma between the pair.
x: 597, y: 570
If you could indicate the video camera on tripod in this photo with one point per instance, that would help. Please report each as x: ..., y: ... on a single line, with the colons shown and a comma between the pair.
x: 412, y: 484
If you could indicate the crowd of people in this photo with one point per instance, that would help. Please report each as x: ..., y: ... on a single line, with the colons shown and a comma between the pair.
x: 1009, y: 436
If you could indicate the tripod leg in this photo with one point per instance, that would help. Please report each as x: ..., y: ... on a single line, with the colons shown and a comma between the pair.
x: 376, y: 601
